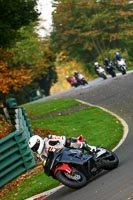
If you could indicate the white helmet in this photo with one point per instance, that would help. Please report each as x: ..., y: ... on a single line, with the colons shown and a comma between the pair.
x: 117, y: 53
x: 67, y: 76
x: 36, y: 143
x: 96, y: 64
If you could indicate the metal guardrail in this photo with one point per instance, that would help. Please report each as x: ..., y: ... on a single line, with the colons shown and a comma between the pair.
x: 15, y: 155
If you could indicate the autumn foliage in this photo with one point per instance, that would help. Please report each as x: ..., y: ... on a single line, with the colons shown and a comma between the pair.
x: 89, y: 30
x: 12, y: 78
x: 5, y: 127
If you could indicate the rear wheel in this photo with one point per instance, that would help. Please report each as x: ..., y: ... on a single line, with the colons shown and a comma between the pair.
x: 110, y: 162
x: 74, y: 180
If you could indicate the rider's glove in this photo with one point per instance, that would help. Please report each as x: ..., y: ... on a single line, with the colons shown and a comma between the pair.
x: 88, y: 147
x: 93, y: 148
x: 73, y: 142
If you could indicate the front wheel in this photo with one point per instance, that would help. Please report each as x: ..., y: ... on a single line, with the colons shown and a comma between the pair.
x: 110, y: 162
x: 85, y: 82
x: 113, y: 74
x: 74, y: 180
x: 104, y: 76
x: 123, y: 71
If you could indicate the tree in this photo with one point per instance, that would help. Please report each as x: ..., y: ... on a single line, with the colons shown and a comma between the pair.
x: 27, y: 49
x: 45, y: 74
x: 86, y: 29
x: 37, y: 56
x: 13, y: 15
x: 28, y: 62
x: 12, y: 79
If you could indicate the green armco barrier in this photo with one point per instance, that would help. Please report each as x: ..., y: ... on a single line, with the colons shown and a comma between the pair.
x: 15, y: 155
x: 11, y: 103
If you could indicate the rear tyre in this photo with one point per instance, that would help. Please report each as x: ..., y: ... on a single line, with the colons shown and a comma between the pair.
x: 111, y: 162
x: 75, y: 180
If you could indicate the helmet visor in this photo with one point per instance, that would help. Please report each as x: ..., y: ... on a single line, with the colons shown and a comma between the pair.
x: 36, y: 146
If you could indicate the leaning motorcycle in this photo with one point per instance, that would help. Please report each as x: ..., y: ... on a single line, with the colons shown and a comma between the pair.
x: 121, y: 66
x: 81, y: 80
x: 110, y: 69
x: 101, y: 72
x: 75, y: 167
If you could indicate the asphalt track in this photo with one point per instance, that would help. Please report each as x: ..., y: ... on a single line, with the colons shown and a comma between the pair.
x: 115, y: 95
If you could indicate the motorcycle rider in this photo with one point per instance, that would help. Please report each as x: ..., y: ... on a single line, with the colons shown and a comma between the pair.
x: 96, y: 67
x: 120, y: 63
x: 109, y: 66
x: 99, y: 70
x: 41, y: 146
x: 106, y: 62
x: 77, y: 74
x: 118, y: 57
x: 80, y: 78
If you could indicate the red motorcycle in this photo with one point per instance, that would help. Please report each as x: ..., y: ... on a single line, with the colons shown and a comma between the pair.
x: 75, y: 167
x: 75, y: 82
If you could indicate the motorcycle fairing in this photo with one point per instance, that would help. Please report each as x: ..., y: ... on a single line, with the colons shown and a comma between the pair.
x: 74, y: 156
x: 70, y: 156
x: 121, y: 62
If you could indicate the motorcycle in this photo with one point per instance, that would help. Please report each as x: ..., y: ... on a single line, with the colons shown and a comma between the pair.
x: 75, y: 167
x: 75, y: 82
x: 81, y: 80
x: 121, y: 66
x: 110, y: 69
x: 101, y: 72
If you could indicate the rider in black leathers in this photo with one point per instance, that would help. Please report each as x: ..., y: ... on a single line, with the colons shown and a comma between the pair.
x: 109, y: 67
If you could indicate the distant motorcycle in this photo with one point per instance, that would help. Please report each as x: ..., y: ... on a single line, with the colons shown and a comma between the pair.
x: 74, y: 167
x: 121, y: 65
x: 110, y: 69
x: 72, y: 81
x: 76, y: 81
x: 81, y: 80
x: 101, y: 72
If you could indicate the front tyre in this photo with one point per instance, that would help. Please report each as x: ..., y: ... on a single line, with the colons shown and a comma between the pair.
x: 113, y: 74
x: 74, y: 180
x: 104, y: 77
x: 123, y: 71
x: 85, y: 82
x: 110, y: 162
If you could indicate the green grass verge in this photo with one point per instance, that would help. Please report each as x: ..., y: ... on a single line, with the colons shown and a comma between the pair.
x: 37, y: 109
x: 98, y: 127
